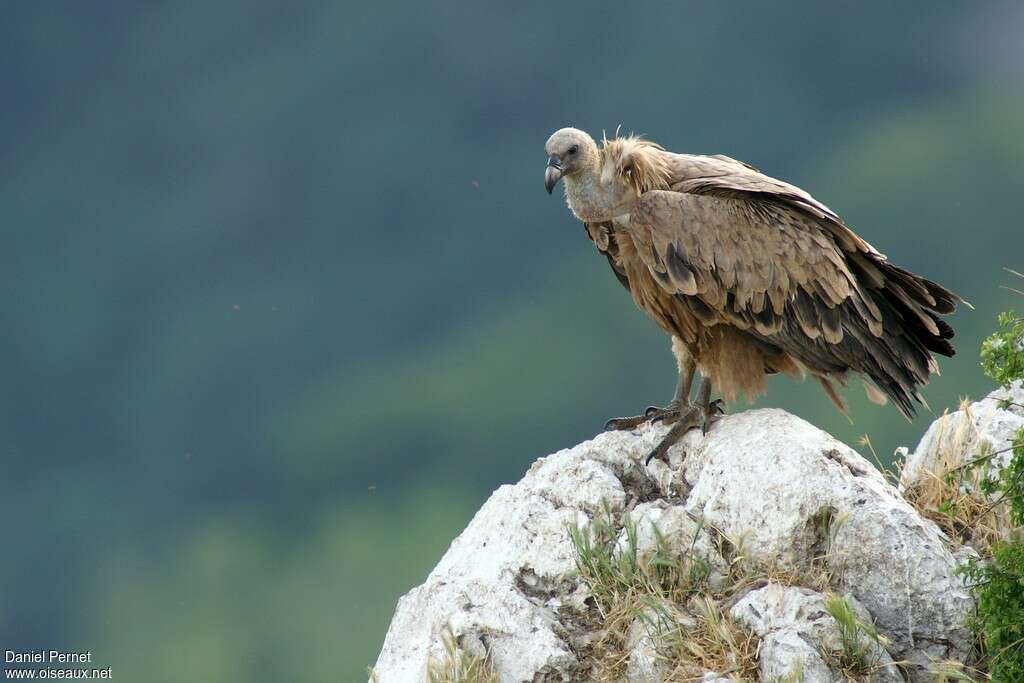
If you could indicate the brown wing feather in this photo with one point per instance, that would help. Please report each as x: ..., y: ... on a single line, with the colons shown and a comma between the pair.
x: 765, y: 257
x: 722, y: 176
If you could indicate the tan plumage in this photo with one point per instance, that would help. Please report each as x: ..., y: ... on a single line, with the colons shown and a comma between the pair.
x: 750, y: 274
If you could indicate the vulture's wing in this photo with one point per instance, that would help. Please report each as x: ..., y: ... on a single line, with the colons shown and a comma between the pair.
x: 603, y: 237
x: 748, y: 250
x: 722, y: 176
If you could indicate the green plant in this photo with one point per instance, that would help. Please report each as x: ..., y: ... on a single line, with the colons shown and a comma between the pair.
x: 1009, y: 485
x: 608, y: 571
x: 828, y: 524
x: 1002, y: 354
x: 1002, y: 359
x: 861, y: 643
x: 657, y: 588
x: 998, y: 582
x: 613, y: 570
x: 999, y: 587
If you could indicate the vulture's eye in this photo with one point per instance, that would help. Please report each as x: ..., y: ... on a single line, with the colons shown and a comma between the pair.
x: 574, y: 149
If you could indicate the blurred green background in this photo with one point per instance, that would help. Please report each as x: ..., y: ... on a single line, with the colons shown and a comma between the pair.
x: 285, y: 299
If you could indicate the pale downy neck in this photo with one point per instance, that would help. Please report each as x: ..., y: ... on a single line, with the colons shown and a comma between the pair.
x: 594, y: 199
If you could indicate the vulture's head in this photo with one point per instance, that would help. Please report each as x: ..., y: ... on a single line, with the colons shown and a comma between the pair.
x: 569, y: 151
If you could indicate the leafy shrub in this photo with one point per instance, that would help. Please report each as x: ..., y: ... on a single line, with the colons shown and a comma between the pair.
x: 1002, y: 358
x: 999, y: 620
x: 999, y: 581
x: 1002, y: 354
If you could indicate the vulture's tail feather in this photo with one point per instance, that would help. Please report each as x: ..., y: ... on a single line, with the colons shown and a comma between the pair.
x: 900, y: 362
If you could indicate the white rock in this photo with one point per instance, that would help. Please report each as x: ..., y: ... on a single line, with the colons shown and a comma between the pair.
x: 957, y: 438
x: 494, y: 581
x: 797, y: 633
x: 768, y: 477
x: 786, y: 655
x: 507, y: 585
x: 643, y: 665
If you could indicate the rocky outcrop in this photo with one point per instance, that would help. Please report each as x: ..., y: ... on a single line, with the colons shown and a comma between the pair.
x: 762, y: 488
x: 796, y: 629
x: 962, y: 436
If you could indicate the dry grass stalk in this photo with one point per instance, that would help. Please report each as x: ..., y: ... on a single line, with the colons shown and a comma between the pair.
x: 670, y: 594
x: 950, y: 495
x: 458, y: 665
x: 950, y: 671
x: 715, y: 643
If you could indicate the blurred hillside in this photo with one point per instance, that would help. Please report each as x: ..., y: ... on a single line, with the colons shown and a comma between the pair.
x: 286, y: 299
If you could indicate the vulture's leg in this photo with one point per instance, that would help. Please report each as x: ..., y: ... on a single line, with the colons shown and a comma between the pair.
x: 669, y: 413
x: 702, y: 413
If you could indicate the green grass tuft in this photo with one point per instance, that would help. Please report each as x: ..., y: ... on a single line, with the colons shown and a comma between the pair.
x: 999, y: 619
x: 657, y: 590
x: 860, y: 641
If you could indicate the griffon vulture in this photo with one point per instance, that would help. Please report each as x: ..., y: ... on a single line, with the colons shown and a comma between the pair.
x: 750, y: 276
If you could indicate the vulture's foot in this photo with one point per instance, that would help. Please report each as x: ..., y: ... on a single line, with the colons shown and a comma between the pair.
x: 668, y: 415
x: 694, y: 416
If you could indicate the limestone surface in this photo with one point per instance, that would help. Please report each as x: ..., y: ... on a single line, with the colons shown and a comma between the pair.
x: 787, y: 494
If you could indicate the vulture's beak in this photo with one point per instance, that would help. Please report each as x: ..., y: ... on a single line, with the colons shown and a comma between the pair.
x: 552, y: 173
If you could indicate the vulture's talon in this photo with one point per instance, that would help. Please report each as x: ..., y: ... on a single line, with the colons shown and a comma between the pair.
x: 695, y: 416
x: 665, y: 415
x: 623, y: 423
x: 706, y: 425
x: 669, y: 414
